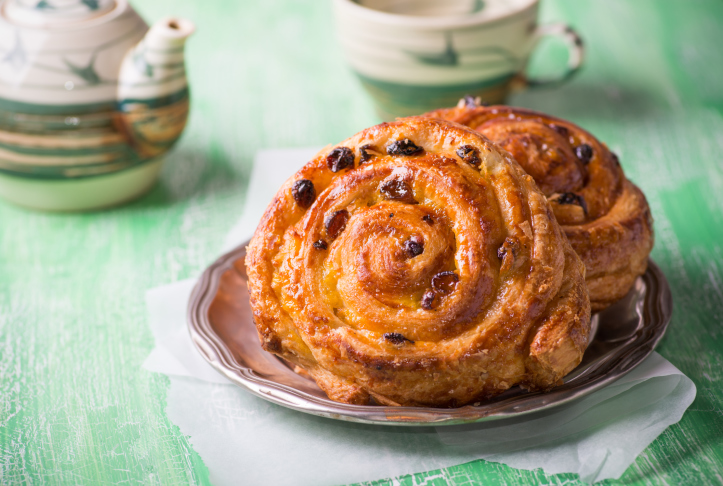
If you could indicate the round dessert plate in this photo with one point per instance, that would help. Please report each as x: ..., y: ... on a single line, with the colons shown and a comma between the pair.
x: 222, y: 328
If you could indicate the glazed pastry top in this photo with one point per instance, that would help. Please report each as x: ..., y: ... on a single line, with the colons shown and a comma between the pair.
x: 416, y: 264
x: 604, y: 215
x: 582, y: 178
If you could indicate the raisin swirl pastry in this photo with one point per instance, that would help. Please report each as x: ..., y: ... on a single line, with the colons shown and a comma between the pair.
x: 604, y: 215
x: 414, y: 264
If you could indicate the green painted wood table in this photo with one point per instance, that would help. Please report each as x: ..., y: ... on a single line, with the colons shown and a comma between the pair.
x: 75, y: 405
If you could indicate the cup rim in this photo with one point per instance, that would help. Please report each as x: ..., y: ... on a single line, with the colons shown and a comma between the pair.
x: 435, y: 23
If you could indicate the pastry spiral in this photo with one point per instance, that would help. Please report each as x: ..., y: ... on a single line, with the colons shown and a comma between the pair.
x: 604, y: 215
x: 415, y: 264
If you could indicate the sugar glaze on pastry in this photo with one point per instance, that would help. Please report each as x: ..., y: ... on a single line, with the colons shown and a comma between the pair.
x: 416, y: 264
x: 604, y: 215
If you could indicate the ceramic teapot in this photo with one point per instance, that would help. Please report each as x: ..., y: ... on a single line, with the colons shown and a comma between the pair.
x: 90, y: 99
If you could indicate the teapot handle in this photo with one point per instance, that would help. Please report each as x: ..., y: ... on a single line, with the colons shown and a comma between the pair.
x: 575, y: 49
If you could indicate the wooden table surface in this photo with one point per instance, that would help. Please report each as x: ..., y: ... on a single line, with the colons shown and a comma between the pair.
x: 75, y: 405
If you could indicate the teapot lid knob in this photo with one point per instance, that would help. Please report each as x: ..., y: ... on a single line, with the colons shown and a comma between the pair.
x: 51, y: 13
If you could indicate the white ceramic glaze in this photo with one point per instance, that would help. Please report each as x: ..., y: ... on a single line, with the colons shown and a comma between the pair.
x: 47, y: 62
x: 427, y: 51
x: 86, y: 91
x: 49, y: 13
x: 160, y: 57
x: 419, y: 54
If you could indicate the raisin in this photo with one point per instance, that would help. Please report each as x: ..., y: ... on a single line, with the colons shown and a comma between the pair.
x: 414, y: 246
x: 445, y: 282
x: 336, y: 222
x: 469, y: 154
x: 403, y: 147
x: 572, y: 198
x: 364, y: 154
x: 304, y: 193
x: 507, y: 253
x: 568, y: 198
x: 428, y: 219
x: 340, y: 158
x: 560, y: 129
x: 320, y: 245
x: 397, y: 190
x: 509, y: 246
x: 396, y: 338
x: 584, y: 153
x: 272, y: 344
x: 428, y: 300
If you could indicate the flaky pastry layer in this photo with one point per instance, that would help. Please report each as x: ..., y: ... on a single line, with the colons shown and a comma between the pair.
x: 417, y: 264
x: 604, y: 215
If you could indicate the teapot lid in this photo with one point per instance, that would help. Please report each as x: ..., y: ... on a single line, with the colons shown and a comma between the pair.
x: 54, y: 13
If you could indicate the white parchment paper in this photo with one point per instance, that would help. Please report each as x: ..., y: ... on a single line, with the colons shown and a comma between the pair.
x: 246, y: 440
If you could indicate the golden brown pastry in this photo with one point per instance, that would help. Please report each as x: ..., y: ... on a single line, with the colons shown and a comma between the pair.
x: 415, y: 264
x: 604, y: 215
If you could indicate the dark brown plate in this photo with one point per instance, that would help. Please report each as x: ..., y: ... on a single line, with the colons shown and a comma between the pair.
x: 222, y: 328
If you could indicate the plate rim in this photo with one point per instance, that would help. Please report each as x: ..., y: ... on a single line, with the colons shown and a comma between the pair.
x: 219, y: 356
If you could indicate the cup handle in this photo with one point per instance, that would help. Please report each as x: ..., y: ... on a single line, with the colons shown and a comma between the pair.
x: 576, y: 53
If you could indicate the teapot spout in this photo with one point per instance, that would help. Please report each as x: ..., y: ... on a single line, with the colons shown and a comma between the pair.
x: 169, y: 33
x: 152, y: 99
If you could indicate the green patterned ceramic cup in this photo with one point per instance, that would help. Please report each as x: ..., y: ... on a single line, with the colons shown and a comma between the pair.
x: 413, y: 56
